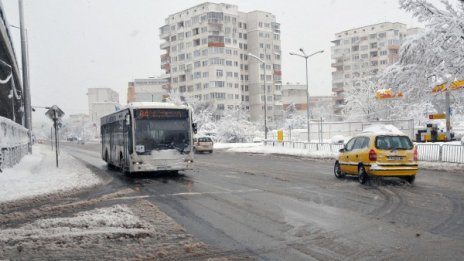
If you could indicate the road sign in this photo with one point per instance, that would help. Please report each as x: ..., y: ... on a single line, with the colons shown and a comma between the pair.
x: 54, y: 113
x: 438, y: 116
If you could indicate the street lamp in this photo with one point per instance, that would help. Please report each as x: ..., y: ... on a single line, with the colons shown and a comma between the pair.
x: 305, y: 56
x: 25, y: 65
x: 265, y: 95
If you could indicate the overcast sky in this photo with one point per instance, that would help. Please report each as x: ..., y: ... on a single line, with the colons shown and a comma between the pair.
x: 80, y: 44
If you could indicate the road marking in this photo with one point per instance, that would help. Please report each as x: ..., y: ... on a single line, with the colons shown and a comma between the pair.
x: 212, y: 192
x: 190, y: 194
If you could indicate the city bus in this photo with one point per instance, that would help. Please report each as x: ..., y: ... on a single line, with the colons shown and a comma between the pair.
x: 148, y: 136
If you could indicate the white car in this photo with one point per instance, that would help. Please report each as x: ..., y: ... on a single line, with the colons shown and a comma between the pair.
x: 202, y: 144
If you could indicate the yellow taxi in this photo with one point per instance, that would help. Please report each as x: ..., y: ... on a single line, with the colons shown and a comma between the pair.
x: 378, y: 154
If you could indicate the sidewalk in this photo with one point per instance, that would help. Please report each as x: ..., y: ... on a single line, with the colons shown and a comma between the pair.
x: 37, y: 174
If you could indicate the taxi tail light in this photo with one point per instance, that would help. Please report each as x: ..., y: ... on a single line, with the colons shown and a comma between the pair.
x: 416, y: 157
x: 372, y: 155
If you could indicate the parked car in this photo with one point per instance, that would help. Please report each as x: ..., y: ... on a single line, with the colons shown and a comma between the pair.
x: 202, y: 144
x: 80, y: 141
x: 378, y: 154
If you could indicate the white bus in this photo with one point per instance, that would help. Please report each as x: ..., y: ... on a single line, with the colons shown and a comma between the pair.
x: 148, y: 136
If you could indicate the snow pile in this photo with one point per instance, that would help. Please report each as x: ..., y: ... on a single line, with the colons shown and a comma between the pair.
x: 260, y: 148
x: 236, y: 145
x: 339, y: 139
x: 12, y: 134
x: 115, y: 219
x: 37, y: 174
x: 381, y: 129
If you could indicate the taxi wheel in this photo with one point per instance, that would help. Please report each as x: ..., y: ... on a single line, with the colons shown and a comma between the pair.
x: 362, y: 175
x: 410, y: 179
x: 337, y: 171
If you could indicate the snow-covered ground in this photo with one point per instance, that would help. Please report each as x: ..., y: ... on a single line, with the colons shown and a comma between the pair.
x: 37, y: 174
x: 115, y: 219
x: 260, y: 148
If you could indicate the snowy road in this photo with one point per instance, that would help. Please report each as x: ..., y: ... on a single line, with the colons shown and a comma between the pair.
x: 281, y: 207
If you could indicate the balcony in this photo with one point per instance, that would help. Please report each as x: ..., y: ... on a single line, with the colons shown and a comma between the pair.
x: 165, y: 45
x: 166, y: 67
x: 216, y: 44
x: 165, y: 58
x: 165, y: 31
x: 277, y: 72
x: 393, y: 47
x: 337, y: 64
x: 214, y: 21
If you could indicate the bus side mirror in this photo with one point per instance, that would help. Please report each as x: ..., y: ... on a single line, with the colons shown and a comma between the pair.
x: 128, y: 119
x: 194, y: 128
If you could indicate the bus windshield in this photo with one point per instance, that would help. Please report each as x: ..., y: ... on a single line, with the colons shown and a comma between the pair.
x: 161, y: 129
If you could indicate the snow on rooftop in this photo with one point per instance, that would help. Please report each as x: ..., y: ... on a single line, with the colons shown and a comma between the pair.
x: 37, y: 174
x: 383, y: 129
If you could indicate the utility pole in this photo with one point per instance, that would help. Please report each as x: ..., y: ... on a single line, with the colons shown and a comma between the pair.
x: 448, y: 113
x: 25, y: 65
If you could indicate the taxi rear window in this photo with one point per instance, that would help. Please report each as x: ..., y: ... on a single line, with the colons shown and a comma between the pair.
x: 393, y: 143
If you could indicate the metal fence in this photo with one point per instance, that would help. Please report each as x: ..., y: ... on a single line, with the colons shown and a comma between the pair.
x: 311, y: 146
x: 450, y: 153
x: 13, y: 142
x: 321, y: 131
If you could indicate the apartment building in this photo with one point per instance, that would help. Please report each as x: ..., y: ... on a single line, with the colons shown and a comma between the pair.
x: 147, y: 90
x: 101, y: 101
x: 319, y: 106
x: 206, y: 58
x: 361, y: 54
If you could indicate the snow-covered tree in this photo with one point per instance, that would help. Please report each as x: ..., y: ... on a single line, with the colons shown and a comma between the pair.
x: 234, y: 126
x: 437, y: 51
x: 361, y: 104
x: 293, y: 118
x: 430, y: 57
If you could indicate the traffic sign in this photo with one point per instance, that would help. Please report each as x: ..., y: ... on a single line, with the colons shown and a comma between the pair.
x: 54, y: 113
x: 438, y: 116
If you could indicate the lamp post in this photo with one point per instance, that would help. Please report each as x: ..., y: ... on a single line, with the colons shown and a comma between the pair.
x: 265, y: 96
x: 25, y: 67
x: 305, y: 56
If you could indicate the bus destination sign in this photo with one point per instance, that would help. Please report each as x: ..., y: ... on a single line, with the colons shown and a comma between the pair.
x: 160, y: 114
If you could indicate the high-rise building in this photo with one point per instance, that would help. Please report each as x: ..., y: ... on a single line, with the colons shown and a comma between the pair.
x: 360, y: 54
x: 207, y: 58
x: 147, y: 90
x: 101, y: 101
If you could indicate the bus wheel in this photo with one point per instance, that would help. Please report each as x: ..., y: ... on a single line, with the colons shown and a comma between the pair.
x: 121, y: 164
x: 108, y: 164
